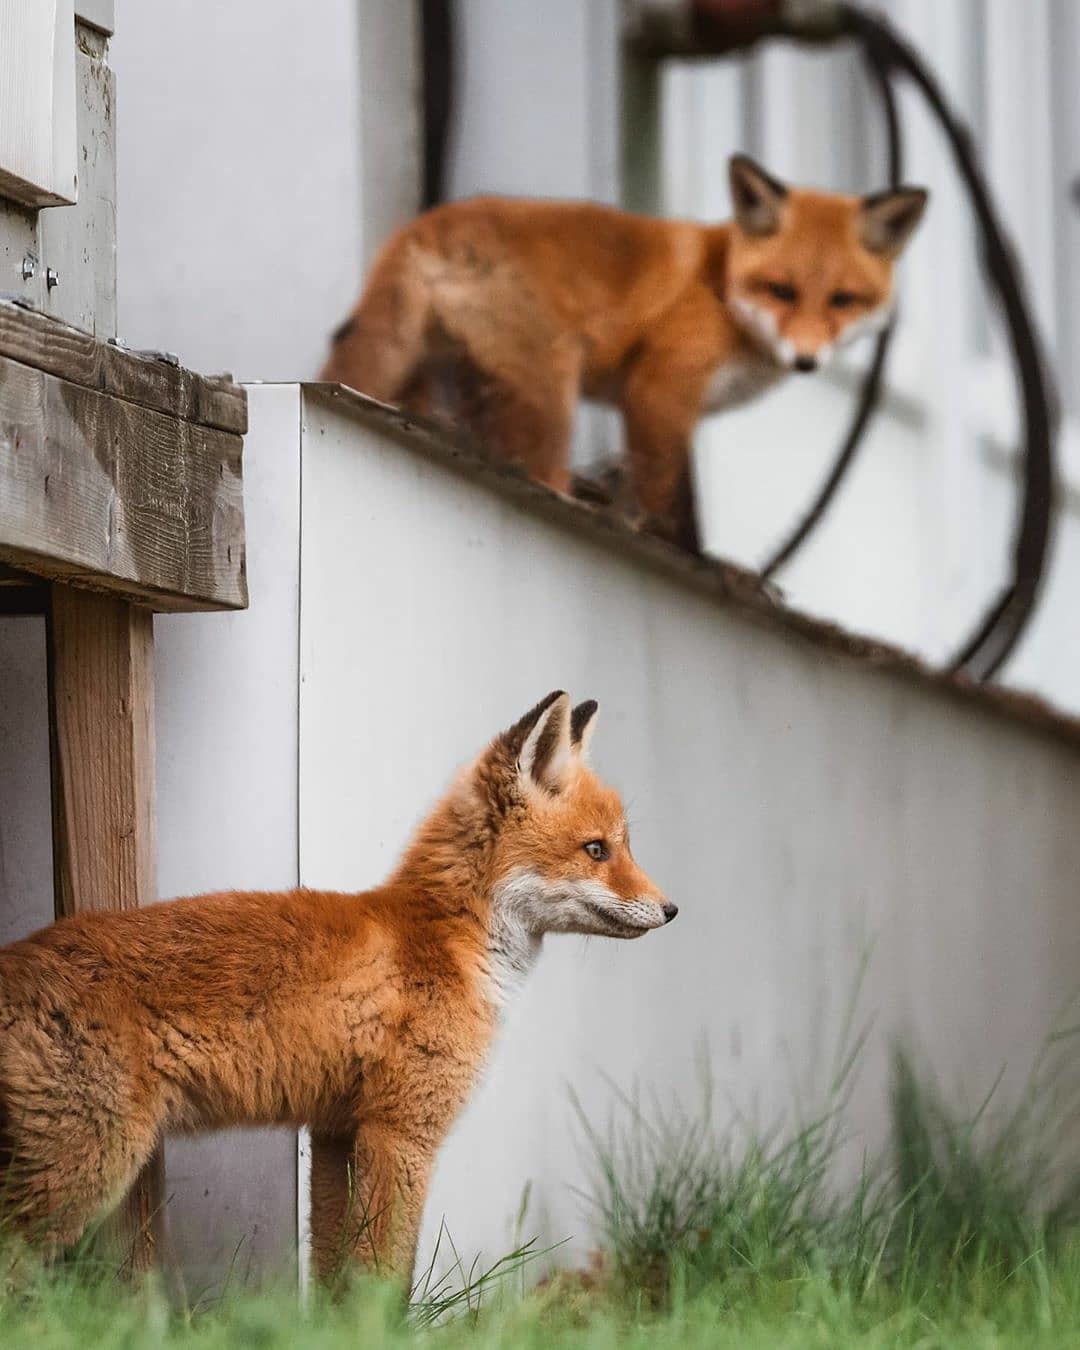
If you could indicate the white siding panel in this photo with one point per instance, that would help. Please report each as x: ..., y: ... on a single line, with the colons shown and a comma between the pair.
x: 26, y: 880
x: 240, y: 243
x: 37, y: 101
x: 434, y: 613
x: 99, y: 14
x: 227, y: 818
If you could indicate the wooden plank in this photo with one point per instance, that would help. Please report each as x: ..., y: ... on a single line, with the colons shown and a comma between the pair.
x: 101, y: 713
x: 38, y: 341
x: 101, y: 733
x: 111, y: 495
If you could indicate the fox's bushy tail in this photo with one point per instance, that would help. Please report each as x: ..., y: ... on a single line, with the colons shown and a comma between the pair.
x: 381, y: 345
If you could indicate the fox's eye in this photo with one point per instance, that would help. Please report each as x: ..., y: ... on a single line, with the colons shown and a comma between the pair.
x: 843, y: 299
x: 782, y: 290
x: 597, y: 850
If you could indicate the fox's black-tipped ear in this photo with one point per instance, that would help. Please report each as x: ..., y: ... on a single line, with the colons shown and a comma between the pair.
x: 582, y: 722
x: 544, y: 757
x: 888, y: 219
x: 756, y: 196
x: 516, y: 735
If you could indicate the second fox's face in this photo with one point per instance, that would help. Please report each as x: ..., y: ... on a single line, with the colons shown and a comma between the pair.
x: 808, y: 272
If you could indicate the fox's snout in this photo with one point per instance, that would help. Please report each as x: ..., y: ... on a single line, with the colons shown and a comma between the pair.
x: 669, y: 911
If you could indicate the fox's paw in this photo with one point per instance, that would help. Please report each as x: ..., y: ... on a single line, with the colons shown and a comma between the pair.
x: 682, y: 533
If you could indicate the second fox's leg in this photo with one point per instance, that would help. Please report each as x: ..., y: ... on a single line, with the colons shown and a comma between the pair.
x: 530, y: 427
x: 367, y: 1200
x: 332, y: 1171
x: 661, y: 405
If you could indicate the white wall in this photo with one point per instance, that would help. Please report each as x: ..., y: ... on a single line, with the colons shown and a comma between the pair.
x: 238, y: 180
x: 26, y: 880
x: 239, y: 213
x: 227, y: 688
x: 535, y: 111
x: 802, y: 810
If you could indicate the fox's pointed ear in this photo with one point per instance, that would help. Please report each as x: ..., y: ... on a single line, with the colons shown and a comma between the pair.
x: 756, y: 196
x: 582, y: 722
x: 544, y: 757
x: 515, y: 737
x: 887, y: 219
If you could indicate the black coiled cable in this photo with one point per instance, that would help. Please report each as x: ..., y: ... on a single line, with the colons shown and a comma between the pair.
x: 1001, y: 627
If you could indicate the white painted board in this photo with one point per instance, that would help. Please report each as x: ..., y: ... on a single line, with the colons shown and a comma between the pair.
x: 803, y: 811
x: 26, y: 880
x: 99, y: 14
x: 226, y: 693
x: 248, y: 269
x: 37, y: 102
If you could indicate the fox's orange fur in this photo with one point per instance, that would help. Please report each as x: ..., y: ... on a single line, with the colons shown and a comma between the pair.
x: 365, y: 1017
x: 500, y: 314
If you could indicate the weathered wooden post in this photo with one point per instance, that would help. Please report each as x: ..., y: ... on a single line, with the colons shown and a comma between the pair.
x: 120, y: 494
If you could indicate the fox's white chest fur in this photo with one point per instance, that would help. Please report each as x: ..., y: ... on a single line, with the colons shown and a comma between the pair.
x: 741, y: 380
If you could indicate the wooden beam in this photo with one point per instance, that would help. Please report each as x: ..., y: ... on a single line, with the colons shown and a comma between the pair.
x: 101, y: 709
x: 101, y: 733
x: 148, y: 380
x: 106, y: 493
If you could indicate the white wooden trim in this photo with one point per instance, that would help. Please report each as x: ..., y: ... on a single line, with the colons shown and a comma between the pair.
x: 38, y: 140
x: 100, y: 14
x: 303, y: 1212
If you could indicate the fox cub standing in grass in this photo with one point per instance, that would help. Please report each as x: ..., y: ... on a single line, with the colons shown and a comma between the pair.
x: 499, y: 314
x: 366, y: 1017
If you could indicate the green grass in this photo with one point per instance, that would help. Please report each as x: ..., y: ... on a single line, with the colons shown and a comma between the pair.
x: 963, y: 1235
x: 805, y: 1310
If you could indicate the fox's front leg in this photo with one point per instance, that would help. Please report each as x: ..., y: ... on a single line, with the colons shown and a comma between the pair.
x: 662, y: 402
x: 367, y: 1201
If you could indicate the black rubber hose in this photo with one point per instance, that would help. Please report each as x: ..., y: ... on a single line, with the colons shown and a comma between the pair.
x: 870, y: 391
x: 437, y: 36
x: 1005, y: 620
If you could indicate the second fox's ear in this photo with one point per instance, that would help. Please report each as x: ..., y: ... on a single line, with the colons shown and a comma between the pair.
x: 544, y: 757
x: 582, y: 722
x: 756, y: 197
x: 887, y: 219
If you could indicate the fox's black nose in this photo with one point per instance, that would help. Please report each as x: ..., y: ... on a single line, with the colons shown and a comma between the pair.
x: 806, y: 363
x: 670, y: 911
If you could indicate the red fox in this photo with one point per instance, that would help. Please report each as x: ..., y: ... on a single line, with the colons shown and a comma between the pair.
x: 500, y: 314
x: 365, y: 1017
